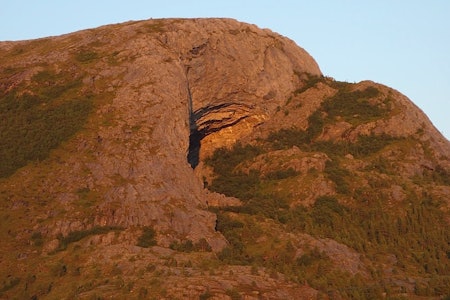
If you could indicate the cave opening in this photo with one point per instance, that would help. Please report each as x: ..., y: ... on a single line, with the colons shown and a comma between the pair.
x: 193, y: 155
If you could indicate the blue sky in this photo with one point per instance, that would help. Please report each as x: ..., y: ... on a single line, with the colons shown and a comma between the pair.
x: 404, y: 44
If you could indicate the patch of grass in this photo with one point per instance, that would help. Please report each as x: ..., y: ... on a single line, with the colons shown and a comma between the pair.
x: 205, y: 295
x: 231, y: 228
x: 189, y: 246
x: 225, y: 160
x: 257, y: 192
x: 29, y: 133
x: 33, y: 124
x: 365, y: 144
x: 380, y: 165
x: 37, y: 239
x: 282, y: 174
x: 42, y: 46
x: 354, y: 106
x: 147, y: 238
x: 78, y: 235
x: 86, y: 56
x: 157, y: 26
x: 232, y: 182
x: 233, y: 294
x: 438, y: 175
x: 9, y: 283
x: 287, y: 138
x: 310, y: 82
x: 86, y: 197
x: 369, y: 144
x: 234, y: 31
x: 338, y: 175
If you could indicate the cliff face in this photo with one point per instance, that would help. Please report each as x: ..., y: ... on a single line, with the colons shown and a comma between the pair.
x: 159, y: 98
x: 161, y: 80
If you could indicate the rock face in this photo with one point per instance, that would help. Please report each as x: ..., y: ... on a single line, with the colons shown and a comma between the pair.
x: 214, y: 79
x: 238, y: 79
x: 166, y: 94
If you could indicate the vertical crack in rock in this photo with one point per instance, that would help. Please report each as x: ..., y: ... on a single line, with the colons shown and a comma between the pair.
x: 193, y: 156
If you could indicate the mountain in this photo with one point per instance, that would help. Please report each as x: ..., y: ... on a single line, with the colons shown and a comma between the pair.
x: 211, y: 159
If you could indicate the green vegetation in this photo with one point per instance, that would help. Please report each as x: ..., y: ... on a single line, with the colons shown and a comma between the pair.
x: 34, y: 124
x: 282, y: 174
x: 251, y: 187
x: 9, y: 283
x: 346, y: 103
x: 416, y: 238
x: 338, y: 175
x: 313, y: 266
x: 233, y: 294
x: 147, y: 238
x: 205, y: 295
x: 287, y: 138
x: 37, y: 239
x: 78, y: 235
x: 156, y: 26
x: 231, y: 229
x: 189, y: 246
x: 233, y: 182
x: 364, y: 146
x: 310, y: 82
x: 86, y: 56
x: 373, y: 231
x: 86, y: 197
x: 439, y: 176
x: 353, y: 106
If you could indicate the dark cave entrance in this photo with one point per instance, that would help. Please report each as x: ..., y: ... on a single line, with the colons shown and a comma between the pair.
x: 195, y: 136
x: 193, y: 156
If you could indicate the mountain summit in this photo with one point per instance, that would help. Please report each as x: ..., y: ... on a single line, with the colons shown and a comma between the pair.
x: 211, y: 159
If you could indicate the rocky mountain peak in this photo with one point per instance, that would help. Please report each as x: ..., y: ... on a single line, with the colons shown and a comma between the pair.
x: 177, y: 146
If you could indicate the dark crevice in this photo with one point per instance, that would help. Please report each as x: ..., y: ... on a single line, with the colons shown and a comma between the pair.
x: 193, y: 156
